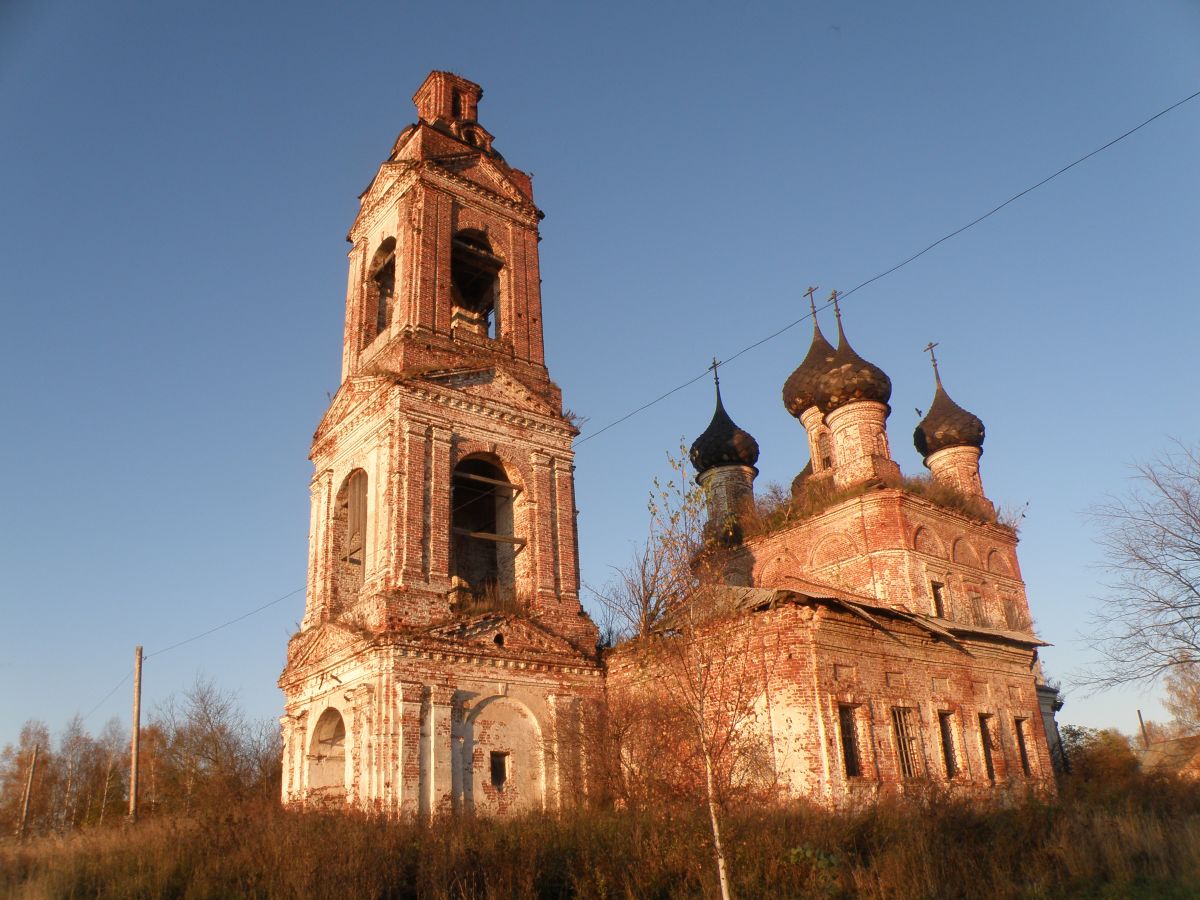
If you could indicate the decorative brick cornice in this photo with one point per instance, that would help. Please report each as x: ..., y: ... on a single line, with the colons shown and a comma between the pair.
x: 329, y: 670
x: 435, y: 173
x: 404, y: 175
x: 457, y: 400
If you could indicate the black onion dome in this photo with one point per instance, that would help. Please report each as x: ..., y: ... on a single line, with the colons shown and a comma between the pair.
x: 849, y: 378
x: 947, y: 425
x: 800, y: 389
x: 723, y: 443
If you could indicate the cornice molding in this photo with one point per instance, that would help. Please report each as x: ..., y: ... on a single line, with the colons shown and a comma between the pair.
x: 464, y: 402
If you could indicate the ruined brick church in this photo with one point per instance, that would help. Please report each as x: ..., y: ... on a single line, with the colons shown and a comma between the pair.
x: 445, y: 662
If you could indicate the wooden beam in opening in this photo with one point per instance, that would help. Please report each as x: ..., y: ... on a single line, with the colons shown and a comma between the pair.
x: 488, y: 536
x: 495, y: 482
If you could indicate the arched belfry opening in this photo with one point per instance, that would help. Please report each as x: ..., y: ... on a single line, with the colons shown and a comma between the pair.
x: 475, y: 284
x: 327, y: 754
x: 380, y: 291
x: 350, y: 537
x: 485, y: 545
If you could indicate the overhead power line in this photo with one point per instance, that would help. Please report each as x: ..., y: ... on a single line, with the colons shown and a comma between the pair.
x: 189, y: 640
x: 91, y: 712
x: 900, y: 265
x: 217, y: 628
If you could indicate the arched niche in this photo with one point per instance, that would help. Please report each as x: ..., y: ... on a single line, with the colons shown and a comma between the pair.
x: 925, y: 541
x: 997, y: 564
x: 832, y: 549
x: 963, y: 552
x: 775, y: 571
x: 326, y: 757
x: 503, y: 758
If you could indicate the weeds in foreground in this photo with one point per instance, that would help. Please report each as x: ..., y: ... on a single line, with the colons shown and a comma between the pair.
x: 1139, y: 839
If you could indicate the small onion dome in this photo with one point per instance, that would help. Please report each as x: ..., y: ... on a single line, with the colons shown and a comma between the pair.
x: 800, y: 390
x: 849, y: 377
x: 947, y: 425
x: 723, y: 443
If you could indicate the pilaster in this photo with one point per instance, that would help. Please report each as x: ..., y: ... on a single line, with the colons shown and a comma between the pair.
x: 439, y: 519
x: 410, y: 707
x: 564, y: 537
x: 412, y: 523
x: 320, y: 550
x: 542, y: 537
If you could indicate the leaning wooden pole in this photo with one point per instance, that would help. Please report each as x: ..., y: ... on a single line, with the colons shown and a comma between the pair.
x: 21, y: 826
x: 135, y: 738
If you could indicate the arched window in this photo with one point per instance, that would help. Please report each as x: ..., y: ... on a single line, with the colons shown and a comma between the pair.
x: 485, y: 548
x: 825, y: 449
x: 475, y: 284
x: 380, y: 292
x: 350, y: 536
x: 327, y: 754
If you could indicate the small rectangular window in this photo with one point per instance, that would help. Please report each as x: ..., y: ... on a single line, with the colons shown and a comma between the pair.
x: 985, y: 741
x: 1020, y: 723
x: 946, y: 729
x: 939, y: 602
x: 499, y: 770
x: 849, y: 736
x: 906, y: 741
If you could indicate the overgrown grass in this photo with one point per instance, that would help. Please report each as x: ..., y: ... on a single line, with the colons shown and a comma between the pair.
x: 1138, y: 837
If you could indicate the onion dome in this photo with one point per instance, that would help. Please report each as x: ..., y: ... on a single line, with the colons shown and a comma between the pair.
x: 946, y: 424
x: 723, y: 443
x: 849, y: 377
x: 800, y: 389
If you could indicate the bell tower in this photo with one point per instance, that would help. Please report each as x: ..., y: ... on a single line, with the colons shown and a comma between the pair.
x: 444, y: 464
x: 442, y: 616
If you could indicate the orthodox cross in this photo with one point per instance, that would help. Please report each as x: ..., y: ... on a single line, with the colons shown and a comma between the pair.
x: 713, y: 368
x: 811, y: 305
x: 929, y: 349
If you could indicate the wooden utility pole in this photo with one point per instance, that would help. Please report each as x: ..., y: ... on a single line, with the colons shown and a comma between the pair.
x: 135, y: 739
x: 1145, y: 734
x: 28, y: 790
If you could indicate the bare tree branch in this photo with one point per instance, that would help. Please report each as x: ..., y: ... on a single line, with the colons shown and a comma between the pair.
x: 1148, y: 624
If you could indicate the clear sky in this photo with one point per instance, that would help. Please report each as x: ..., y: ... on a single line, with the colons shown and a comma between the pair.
x: 177, y: 181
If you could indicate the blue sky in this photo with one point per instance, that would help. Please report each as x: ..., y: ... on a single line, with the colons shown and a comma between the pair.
x: 177, y: 181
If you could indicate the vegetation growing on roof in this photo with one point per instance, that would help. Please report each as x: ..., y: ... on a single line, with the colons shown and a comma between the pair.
x: 775, y: 508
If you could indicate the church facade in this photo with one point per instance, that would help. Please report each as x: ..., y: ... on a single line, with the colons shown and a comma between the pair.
x: 445, y: 662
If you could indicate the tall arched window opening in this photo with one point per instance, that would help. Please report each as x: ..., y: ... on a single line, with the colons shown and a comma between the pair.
x: 485, y: 548
x: 381, y: 291
x: 350, y: 536
x: 475, y: 284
